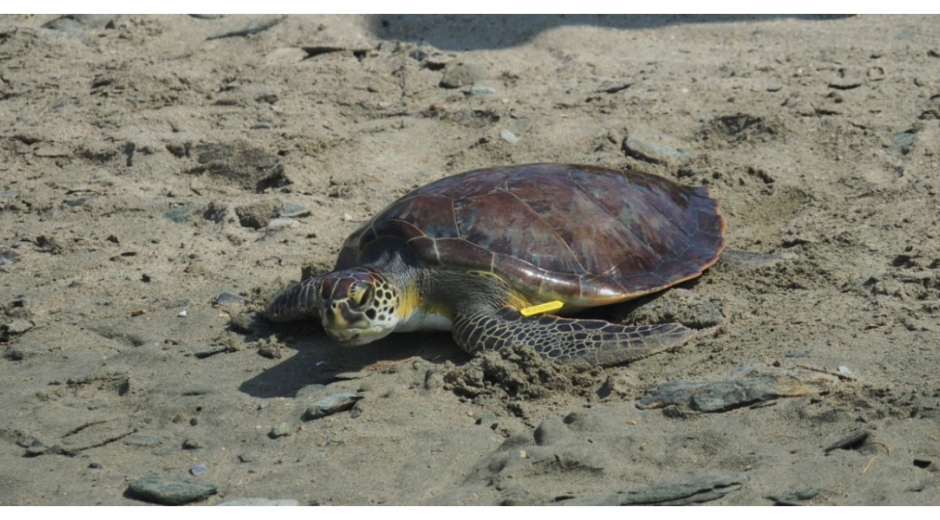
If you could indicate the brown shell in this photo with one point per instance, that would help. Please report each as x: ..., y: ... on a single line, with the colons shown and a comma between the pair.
x: 583, y: 234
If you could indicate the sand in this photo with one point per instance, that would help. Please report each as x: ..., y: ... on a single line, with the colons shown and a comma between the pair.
x: 145, y: 162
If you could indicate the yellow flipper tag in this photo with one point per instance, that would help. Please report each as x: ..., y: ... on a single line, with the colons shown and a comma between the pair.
x: 541, y: 309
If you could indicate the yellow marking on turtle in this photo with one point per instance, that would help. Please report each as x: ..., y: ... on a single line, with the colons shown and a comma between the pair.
x: 407, y: 302
x: 541, y: 309
x: 417, y: 313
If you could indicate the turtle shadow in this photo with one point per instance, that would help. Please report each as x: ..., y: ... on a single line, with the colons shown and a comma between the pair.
x: 474, y: 32
x: 319, y: 360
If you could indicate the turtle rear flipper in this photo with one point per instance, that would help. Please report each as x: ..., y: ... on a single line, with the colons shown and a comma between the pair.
x: 595, y: 342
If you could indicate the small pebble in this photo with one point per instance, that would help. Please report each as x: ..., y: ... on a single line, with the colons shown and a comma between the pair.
x: 852, y: 440
x: 211, y: 352
x: 349, y: 376
x: 8, y: 256
x: 437, y: 60
x: 36, y: 448
x: 347, y: 217
x: 651, y: 148
x: 508, y: 136
x: 280, y: 430
x: 332, y: 404
x: 270, y: 351
x: 182, y: 313
x: 169, y: 489
x: 198, y: 469
x: 247, y: 457
x: 227, y: 299
x: 845, y: 370
x: 903, y: 142
x: 94, y: 465
x: 280, y: 223
x: 291, y: 210
x: 611, y: 87
x: 459, y: 74
x: 193, y: 444
x: 74, y: 203
x: 478, y: 90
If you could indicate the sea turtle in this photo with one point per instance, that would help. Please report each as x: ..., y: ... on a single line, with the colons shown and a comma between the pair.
x: 474, y: 252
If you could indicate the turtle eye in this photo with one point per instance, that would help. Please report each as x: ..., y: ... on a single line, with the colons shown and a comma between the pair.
x: 361, y: 294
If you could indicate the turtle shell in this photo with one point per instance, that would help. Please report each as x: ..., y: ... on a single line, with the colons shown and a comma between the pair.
x: 582, y: 234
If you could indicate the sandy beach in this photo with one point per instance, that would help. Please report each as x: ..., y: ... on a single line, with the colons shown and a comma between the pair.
x: 162, y: 176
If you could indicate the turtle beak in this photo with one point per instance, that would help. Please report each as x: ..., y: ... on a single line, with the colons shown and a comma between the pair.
x: 339, y: 315
x: 346, y: 326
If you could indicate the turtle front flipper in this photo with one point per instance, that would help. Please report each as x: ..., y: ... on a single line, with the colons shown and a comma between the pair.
x: 595, y: 342
x: 297, y: 301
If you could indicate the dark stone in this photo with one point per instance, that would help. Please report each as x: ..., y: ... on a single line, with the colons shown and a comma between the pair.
x: 331, y: 404
x: 696, y: 490
x: 851, y: 441
x: 36, y: 449
x: 169, y: 489
x: 746, y: 386
x: 611, y: 87
x: 193, y: 444
x: 227, y: 299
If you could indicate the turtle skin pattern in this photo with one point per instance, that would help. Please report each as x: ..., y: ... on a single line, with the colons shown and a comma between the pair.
x: 594, y: 342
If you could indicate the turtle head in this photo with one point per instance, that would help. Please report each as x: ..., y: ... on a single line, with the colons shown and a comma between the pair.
x: 357, y: 306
